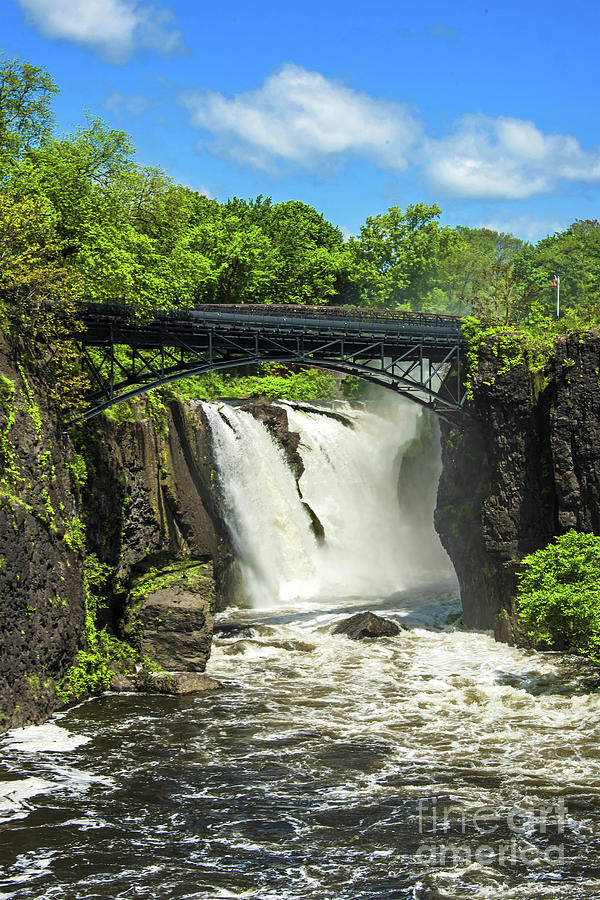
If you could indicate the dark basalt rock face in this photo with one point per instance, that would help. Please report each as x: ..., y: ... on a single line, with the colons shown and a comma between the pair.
x: 153, y: 490
x: 232, y: 629
x: 367, y: 625
x: 147, y: 501
x: 524, y: 467
x: 151, y: 495
x: 41, y: 591
x: 276, y: 420
x: 176, y: 629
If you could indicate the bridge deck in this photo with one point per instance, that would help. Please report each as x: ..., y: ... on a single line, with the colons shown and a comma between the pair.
x: 106, y: 323
x: 414, y: 353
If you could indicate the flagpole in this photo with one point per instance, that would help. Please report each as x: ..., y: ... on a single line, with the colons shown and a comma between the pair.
x: 556, y: 284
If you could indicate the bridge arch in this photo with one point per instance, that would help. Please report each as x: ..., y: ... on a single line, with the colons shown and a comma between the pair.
x: 415, y: 354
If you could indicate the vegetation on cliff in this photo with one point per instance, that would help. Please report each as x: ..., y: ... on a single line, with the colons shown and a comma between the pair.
x: 79, y: 218
x: 558, y: 599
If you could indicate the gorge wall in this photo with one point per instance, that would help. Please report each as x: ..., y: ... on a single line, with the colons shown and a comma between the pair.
x: 523, y: 467
x: 41, y: 556
x: 136, y: 494
x: 136, y: 497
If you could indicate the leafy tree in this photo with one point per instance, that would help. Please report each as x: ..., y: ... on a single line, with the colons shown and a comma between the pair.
x: 305, y: 254
x: 558, y: 599
x: 310, y: 254
x: 473, y: 259
x: 501, y: 297
x: 574, y: 255
x: 394, y: 259
x: 119, y: 226
x: 233, y: 262
x: 26, y: 120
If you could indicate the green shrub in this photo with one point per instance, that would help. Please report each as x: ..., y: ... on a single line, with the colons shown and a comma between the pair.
x: 94, y: 666
x: 271, y: 380
x: 558, y: 599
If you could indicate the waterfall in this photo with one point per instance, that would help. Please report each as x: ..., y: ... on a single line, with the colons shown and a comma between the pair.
x: 372, y: 547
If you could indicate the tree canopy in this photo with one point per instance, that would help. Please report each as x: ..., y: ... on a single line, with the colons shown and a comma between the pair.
x: 109, y: 228
x: 26, y: 119
x: 574, y: 256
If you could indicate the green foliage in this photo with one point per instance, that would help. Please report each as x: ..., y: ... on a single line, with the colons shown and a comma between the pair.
x: 77, y: 466
x: 80, y: 218
x: 25, y: 117
x: 33, y: 271
x: 94, y: 669
x: 11, y: 473
x: 468, y: 263
x: 157, y: 411
x: 574, y: 255
x: 530, y: 346
x: 7, y: 389
x: 308, y: 384
x: 95, y: 666
x: 406, y: 259
x: 394, y: 253
x: 32, y: 407
x: 558, y: 599
x: 75, y: 534
x: 354, y: 388
x: 272, y: 380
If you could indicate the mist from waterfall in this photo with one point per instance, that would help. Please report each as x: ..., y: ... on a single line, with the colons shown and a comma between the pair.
x: 373, y: 546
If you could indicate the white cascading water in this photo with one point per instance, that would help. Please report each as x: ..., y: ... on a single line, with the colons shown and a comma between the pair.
x: 424, y: 765
x: 350, y: 481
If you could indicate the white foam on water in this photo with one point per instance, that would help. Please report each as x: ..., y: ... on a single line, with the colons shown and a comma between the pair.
x: 47, y: 738
x: 15, y: 794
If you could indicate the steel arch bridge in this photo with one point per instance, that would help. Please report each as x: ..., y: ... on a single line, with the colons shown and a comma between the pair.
x: 416, y: 354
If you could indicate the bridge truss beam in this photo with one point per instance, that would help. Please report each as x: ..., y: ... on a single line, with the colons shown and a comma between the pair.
x: 124, y: 358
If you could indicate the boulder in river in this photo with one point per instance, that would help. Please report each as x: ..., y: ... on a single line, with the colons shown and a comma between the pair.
x: 368, y: 625
x: 164, y: 682
x: 232, y: 629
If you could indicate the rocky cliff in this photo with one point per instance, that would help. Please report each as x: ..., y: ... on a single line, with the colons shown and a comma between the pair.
x: 135, y: 496
x: 148, y: 496
x: 121, y: 517
x: 41, y: 551
x: 523, y: 466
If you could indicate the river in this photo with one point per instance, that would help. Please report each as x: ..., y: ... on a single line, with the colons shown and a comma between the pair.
x: 434, y: 764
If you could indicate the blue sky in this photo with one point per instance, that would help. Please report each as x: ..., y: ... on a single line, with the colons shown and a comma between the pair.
x: 488, y: 109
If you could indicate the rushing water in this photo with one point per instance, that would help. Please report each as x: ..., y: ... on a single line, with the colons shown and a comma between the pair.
x: 352, y: 464
x: 435, y: 764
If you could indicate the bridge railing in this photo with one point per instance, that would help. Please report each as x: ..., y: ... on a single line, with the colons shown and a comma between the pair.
x: 282, y: 310
x: 337, y: 312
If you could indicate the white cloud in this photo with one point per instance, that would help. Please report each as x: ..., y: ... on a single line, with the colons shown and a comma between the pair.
x: 299, y: 117
x: 119, y: 104
x: 505, y: 158
x: 114, y: 28
x: 303, y: 118
x: 526, y: 227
